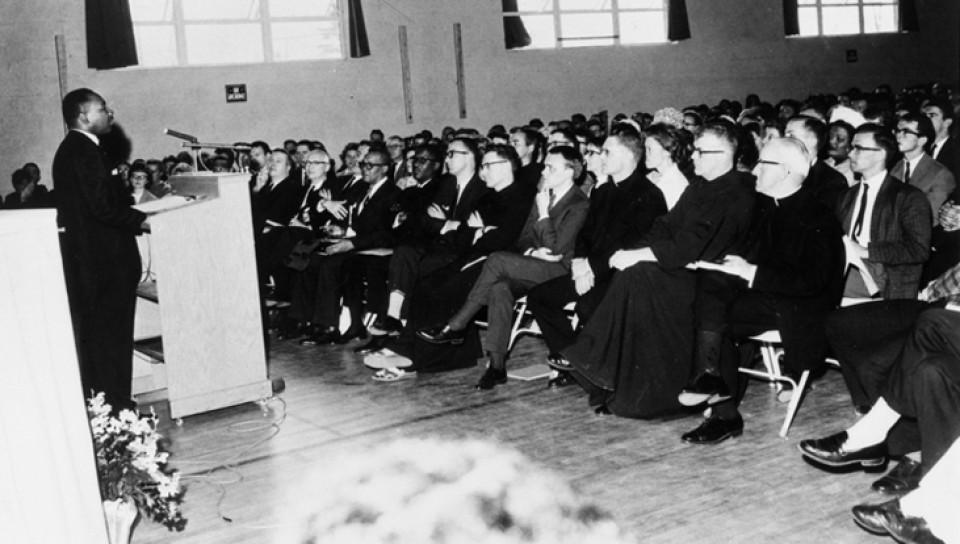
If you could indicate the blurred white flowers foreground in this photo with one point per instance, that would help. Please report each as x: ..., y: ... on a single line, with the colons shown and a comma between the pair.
x: 131, y: 464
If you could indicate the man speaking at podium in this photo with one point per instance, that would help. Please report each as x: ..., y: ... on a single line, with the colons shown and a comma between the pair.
x: 100, y: 258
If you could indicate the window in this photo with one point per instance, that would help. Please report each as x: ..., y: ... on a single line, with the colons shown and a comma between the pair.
x: 579, y: 23
x: 204, y: 32
x: 838, y: 17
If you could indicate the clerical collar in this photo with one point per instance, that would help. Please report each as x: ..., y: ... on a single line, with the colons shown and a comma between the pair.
x: 93, y: 137
x: 778, y: 200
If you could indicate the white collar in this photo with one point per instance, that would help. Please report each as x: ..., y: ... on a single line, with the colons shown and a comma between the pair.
x: 93, y: 137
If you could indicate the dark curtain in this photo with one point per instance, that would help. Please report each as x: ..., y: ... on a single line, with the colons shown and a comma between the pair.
x: 678, y: 25
x: 908, y: 16
x: 359, y: 46
x: 514, y: 33
x: 791, y: 20
x: 110, y: 42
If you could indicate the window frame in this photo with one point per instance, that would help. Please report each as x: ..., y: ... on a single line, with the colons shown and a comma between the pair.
x: 264, y: 20
x: 818, y: 4
x: 614, y: 10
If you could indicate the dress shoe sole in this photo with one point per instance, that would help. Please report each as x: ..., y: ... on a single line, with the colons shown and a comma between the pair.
x: 719, y: 439
x: 696, y: 399
x: 872, y: 463
x: 437, y: 342
x: 870, y: 528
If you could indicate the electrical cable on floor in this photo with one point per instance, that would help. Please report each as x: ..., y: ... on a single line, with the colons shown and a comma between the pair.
x: 204, y: 476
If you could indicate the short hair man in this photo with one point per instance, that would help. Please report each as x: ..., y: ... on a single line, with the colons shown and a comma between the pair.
x: 826, y: 183
x: 791, y: 278
x: 944, y: 148
x: 914, y: 132
x: 546, y: 245
x: 317, y: 290
x: 101, y: 262
x: 711, y: 219
x: 621, y: 211
x: 886, y: 222
x: 526, y: 142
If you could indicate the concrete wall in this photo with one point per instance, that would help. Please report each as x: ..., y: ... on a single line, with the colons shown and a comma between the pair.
x: 737, y: 47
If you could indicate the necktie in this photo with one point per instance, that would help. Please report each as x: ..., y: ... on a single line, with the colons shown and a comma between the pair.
x: 906, y: 171
x: 363, y: 203
x: 552, y: 200
x: 858, y: 222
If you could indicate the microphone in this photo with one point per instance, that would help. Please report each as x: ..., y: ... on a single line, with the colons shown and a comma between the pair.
x: 180, y: 135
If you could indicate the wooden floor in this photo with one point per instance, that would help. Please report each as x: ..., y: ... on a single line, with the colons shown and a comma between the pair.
x: 755, y: 488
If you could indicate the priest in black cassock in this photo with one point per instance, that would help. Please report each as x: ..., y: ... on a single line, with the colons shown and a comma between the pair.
x: 634, y: 353
x: 790, y: 277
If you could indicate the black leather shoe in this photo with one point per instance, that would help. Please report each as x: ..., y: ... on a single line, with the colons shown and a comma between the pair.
x: 558, y: 362
x: 887, y: 519
x: 706, y: 387
x: 903, y: 478
x: 386, y: 326
x: 442, y: 335
x: 491, y: 378
x: 602, y: 410
x: 319, y: 338
x: 714, y: 430
x: 829, y: 451
x: 359, y: 333
x: 562, y: 379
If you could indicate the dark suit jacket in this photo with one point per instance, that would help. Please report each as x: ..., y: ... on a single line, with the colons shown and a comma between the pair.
x: 899, y: 236
x: 418, y: 227
x: 949, y: 156
x: 932, y: 178
x: 558, y: 232
x: 94, y: 209
x: 446, y: 198
x: 711, y: 219
x: 374, y: 223
x: 799, y: 252
x: 620, y: 214
x: 277, y: 204
x: 507, y: 211
x: 826, y: 184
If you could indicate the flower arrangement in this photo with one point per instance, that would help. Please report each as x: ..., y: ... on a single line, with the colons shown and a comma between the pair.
x: 132, y: 465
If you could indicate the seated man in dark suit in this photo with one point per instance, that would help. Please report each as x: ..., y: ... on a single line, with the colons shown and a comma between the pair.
x: 317, y: 290
x: 546, y: 248
x: 826, y: 183
x: 867, y: 340
x: 435, y: 245
x: 414, y: 228
x: 924, y: 385
x: 793, y: 275
x: 274, y: 205
x: 944, y: 147
x: 887, y: 223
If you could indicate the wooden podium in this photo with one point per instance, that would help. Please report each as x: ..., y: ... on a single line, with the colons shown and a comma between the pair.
x: 48, y: 475
x: 206, y: 287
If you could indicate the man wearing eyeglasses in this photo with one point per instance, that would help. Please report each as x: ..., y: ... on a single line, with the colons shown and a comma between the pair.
x: 318, y: 289
x: 914, y: 131
x: 887, y: 223
x: 789, y: 278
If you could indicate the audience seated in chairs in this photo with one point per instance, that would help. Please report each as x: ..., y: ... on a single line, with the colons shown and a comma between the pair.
x: 621, y: 211
x: 495, y: 225
x: 788, y: 278
x: 437, y: 242
x: 318, y: 289
x: 140, y: 184
x: 633, y: 365
x: 543, y: 252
